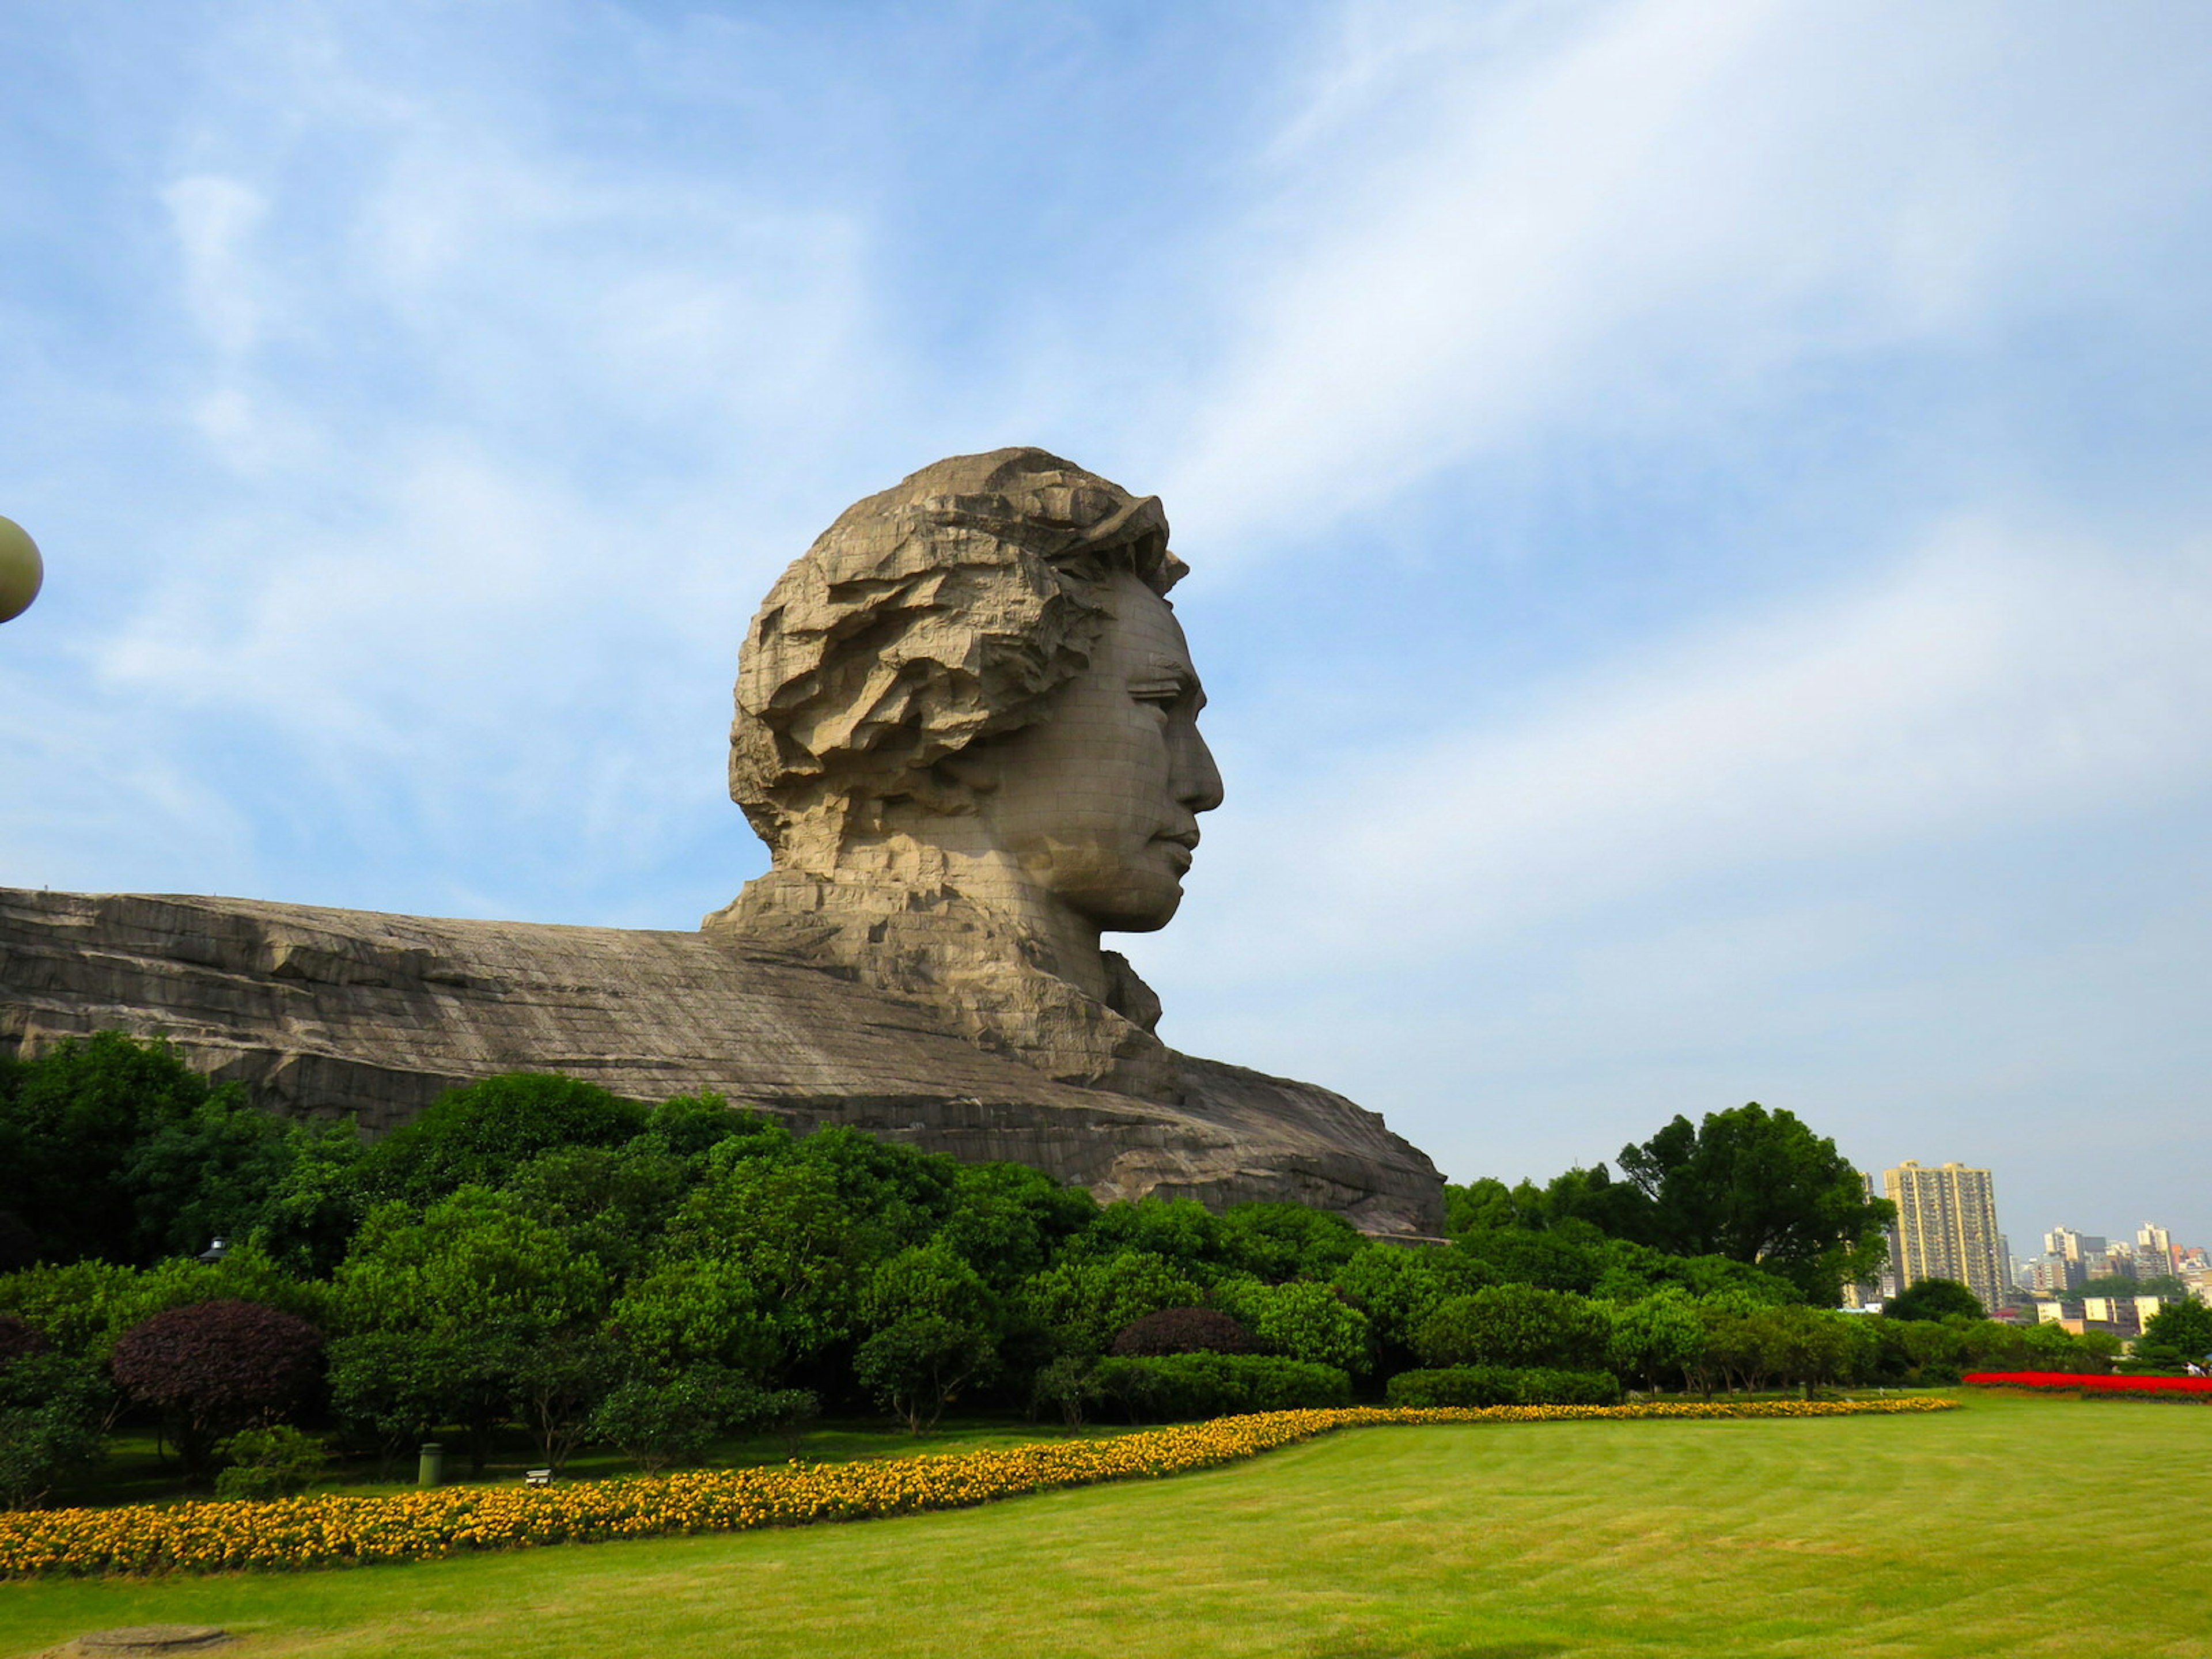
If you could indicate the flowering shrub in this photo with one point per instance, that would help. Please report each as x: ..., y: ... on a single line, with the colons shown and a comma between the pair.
x: 335, y: 1530
x: 2177, y: 1388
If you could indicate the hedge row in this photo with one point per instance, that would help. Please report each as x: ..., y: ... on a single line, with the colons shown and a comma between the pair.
x: 1185, y: 1386
x: 1504, y: 1385
x: 336, y: 1530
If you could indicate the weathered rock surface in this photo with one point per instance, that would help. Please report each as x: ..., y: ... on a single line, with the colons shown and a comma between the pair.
x: 337, y: 1012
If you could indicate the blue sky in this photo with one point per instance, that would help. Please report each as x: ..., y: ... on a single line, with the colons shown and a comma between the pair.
x: 1699, y: 512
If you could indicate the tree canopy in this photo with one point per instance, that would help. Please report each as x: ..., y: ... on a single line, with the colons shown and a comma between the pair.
x: 1933, y: 1299
x: 1759, y: 1187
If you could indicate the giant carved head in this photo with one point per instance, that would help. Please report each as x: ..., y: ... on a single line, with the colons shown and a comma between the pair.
x: 982, y: 657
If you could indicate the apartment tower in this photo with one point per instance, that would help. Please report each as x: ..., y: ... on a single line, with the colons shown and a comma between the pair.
x: 1947, y: 1227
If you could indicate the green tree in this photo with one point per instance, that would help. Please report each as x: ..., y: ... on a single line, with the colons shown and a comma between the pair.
x: 674, y: 1418
x: 83, y: 1307
x: 468, y: 1263
x: 688, y: 1125
x: 52, y: 1418
x: 1590, y: 1195
x: 1933, y: 1299
x: 2175, y: 1336
x: 790, y: 1254
x: 1655, y: 1341
x: 610, y: 1203
x: 392, y: 1390
x: 1516, y: 1325
x: 492, y: 1301
x: 113, y: 1147
x: 475, y: 1134
x: 1814, y: 1347
x: 1396, y: 1287
x: 1067, y: 1384
x: 1008, y: 1221
x: 2052, y: 1347
x: 1180, y: 1231
x: 1083, y: 1301
x: 312, y: 1208
x: 1281, y: 1241
x: 1488, y: 1204
x: 688, y: 1310
x: 1572, y: 1256
x: 1632, y: 1270
x: 1302, y: 1320
x: 935, y: 1325
x: 897, y: 1196
x: 558, y: 1381
x: 1759, y: 1186
x: 1734, y: 1349
x: 918, y: 1365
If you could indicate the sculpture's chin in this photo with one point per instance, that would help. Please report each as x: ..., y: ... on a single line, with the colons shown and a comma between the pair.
x: 1132, y: 914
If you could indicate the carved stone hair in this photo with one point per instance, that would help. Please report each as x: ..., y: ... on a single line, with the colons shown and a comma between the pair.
x: 938, y: 613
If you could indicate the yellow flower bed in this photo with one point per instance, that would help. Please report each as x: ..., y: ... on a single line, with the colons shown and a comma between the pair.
x: 335, y: 1530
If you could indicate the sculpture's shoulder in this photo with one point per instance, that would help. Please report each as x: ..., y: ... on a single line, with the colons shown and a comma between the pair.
x: 1343, y: 1143
x: 370, y: 1014
x: 337, y: 1010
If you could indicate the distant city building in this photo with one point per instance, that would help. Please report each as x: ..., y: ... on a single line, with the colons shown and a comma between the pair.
x: 2054, y: 1275
x: 2075, y: 1247
x: 2123, y: 1316
x: 2154, y: 1251
x: 1883, y: 1286
x: 1947, y: 1227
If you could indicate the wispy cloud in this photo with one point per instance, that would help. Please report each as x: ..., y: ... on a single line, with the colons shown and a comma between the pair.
x: 1515, y: 224
x: 1997, y: 678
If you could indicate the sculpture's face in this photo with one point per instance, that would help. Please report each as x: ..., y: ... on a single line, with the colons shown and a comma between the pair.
x: 1098, y: 802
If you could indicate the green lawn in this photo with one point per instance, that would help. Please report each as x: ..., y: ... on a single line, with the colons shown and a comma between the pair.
x: 2015, y: 1526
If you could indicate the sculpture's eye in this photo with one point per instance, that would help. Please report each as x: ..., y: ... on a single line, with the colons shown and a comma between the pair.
x: 1162, y: 689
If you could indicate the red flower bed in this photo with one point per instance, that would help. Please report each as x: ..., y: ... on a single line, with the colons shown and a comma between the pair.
x: 2074, y: 1383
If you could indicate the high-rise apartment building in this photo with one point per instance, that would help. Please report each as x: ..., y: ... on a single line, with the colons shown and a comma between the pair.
x: 1947, y: 1227
x: 2154, y: 1251
x: 2075, y: 1247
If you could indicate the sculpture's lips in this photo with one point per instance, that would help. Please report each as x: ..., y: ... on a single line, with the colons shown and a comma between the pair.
x: 1185, y: 842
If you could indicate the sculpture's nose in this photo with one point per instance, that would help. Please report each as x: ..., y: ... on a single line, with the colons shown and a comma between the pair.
x: 1197, y: 780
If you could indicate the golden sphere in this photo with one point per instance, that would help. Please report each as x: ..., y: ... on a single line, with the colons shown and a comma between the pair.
x: 21, y: 570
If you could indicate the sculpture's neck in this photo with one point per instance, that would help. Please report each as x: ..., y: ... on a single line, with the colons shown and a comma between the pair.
x: 969, y: 936
x: 1054, y: 937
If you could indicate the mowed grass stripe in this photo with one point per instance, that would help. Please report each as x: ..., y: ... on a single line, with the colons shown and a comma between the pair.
x: 1989, y: 1530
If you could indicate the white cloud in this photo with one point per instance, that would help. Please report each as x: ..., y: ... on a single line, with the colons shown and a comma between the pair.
x: 215, y: 219
x: 1606, y: 219
x: 1996, y: 678
x: 517, y: 433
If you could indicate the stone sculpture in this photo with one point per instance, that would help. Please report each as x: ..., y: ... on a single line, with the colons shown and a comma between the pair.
x: 966, y: 727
